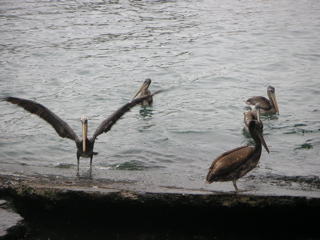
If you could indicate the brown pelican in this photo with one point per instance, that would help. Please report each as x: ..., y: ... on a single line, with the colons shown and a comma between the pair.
x: 252, y: 115
x: 84, y: 144
x: 235, y: 163
x: 144, y: 91
x: 266, y: 106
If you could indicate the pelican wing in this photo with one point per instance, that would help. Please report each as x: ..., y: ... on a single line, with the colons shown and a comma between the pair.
x: 263, y: 102
x: 107, y: 124
x: 228, y: 162
x: 61, y: 127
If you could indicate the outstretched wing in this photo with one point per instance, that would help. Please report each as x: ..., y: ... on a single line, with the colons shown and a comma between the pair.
x: 106, y: 125
x: 61, y: 127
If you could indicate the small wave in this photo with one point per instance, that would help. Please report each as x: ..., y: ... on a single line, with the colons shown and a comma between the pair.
x: 132, y: 166
x: 304, y: 146
x: 313, y: 181
x: 64, y: 165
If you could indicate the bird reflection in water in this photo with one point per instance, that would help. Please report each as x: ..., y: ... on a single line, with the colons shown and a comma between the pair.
x: 146, y: 111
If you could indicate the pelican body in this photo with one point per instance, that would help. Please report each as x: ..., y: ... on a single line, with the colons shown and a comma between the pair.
x: 268, y: 106
x: 144, y: 91
x: 237, y: 162
x: 84, y: 144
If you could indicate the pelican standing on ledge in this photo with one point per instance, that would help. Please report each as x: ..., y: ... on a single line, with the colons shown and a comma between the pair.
x: 266, y: 106
x: 251, y: 115
x: 84, y: 145
x: 144, y: 91
x: 235, y: 163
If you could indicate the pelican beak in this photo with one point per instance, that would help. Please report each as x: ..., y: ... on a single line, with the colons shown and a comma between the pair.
x: 262, y: 139
x: 84, y: 121
x: 274, y: 100
x: 258, y: 114
x: 144, y: 86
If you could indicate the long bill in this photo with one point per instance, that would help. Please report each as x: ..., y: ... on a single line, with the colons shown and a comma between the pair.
x: 274, y: 101
x: 84, y: 135
x: 259, y: 133
x: 258, y: 113
x: 143, y: 87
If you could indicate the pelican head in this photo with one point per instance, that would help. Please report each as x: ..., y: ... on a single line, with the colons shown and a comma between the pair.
x: 84, y: 121
x: 257, y: 108
x: 144, y: 87
x: 272, y: 97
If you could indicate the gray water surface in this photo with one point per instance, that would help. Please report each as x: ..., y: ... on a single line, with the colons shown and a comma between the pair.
x: 90, y: 57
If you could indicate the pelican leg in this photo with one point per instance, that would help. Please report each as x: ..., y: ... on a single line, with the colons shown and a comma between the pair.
x: 235, y: 185
x: 78, y: 163
x: 90, y: 170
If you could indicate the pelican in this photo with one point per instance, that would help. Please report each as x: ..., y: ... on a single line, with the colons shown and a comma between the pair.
x: 84, y: 145
x: 144, y: 91
x: 266, y: 106
x: 252, y: 115
x: 237, y: 162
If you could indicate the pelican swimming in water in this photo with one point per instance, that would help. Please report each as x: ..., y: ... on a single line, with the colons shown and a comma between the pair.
x: 144, y: 91
x: 252, y: 115
x: 84, y: 144
x: 235, y: 163
x: 266, y: 106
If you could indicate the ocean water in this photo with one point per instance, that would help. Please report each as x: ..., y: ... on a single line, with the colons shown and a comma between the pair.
x: 90, y: 57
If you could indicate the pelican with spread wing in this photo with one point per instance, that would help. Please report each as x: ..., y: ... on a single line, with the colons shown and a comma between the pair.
x: 84, y: 144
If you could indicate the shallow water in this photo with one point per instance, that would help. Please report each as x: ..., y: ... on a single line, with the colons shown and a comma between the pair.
x: 90, y: 57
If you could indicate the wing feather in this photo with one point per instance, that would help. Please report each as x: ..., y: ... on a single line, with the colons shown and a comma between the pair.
x: 263, y: 102
x: 229, y: 160
x: 107, y: 124
x: 61, y: 127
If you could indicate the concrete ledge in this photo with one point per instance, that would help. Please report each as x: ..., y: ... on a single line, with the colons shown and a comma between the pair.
x: 94, y: 204
x: 10, y: 221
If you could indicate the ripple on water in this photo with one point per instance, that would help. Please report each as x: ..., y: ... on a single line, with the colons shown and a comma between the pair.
x: 64, y: 165
x: 90, y: 58
x: 133, y: 165
x: 304, y: 146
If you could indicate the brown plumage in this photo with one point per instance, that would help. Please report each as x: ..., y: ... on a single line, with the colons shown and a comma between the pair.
x: 237, y: 162
x: 268, y: 106
x: 84, y: 145
x: 144, y: 91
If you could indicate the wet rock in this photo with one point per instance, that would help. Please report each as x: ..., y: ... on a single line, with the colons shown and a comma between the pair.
x: 9, y: 220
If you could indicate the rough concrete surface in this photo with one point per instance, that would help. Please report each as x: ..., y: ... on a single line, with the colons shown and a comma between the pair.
x: 161, y: 204
x: 8, y: 219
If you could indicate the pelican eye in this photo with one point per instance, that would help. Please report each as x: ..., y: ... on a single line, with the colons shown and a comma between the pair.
x: 84, y: 119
